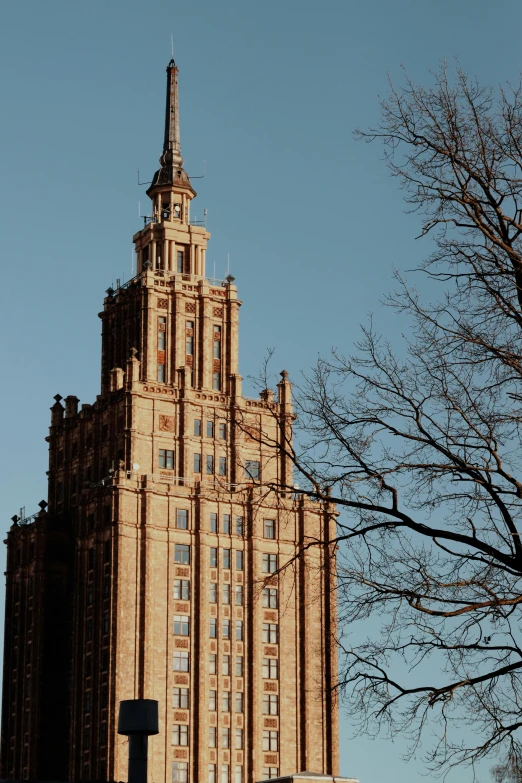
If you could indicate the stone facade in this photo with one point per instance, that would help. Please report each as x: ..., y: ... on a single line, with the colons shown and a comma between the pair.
x: 158, y: 570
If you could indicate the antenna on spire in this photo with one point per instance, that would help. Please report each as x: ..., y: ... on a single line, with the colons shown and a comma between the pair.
x: 172, y: 44
x: 228, y: 264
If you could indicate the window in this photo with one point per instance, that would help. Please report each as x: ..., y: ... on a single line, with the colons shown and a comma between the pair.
x: 226, y: 701
x: 213, y: 557
x: 212, y: 773
x: 106, y: 622
x: 239, y: 526
x: 225, y: 773
x: 226, y: 558
x: 269, y: 528
x: 179, y: 261
x: 180, y: 698
x: 239, y: 560
x: 239, y: 701
x: 213, y: 593
x: 239, y: 630
x: 216, y: 381
x: 212, y: 628
x: 212, y: 701
x: 252, y: 469
x: 212, y: 663
x: 161, y: 373
x: 225, y: 737
x: 270, y: 668
x: 217, y: 341
x: 225, y: 668
x: 189, y: 338
x: 269, y: 598
x: 239, y: 739
x: 210, y: 464
x: 270, y: 704
x: 162, y: 325
x: 270, y: 633
x: 181, y: 661
x: 226, y: 629
x: 179, y: 734
x: 239, y: 665
x: 213, y: 523
x: 269, y: 563
x: 222, y: 430
x: 197, y: 463
x: 212, y: 736
x: 181, y: 589
x: 239, y: 595
x: 182, y: 519
x: 182, y: 554
x: 166, y: 459
x: 181, y: 625
x: 226, y: 594
x: 226, y: 517
x: 197, y: 426
x: 210, y: 429
x: 179, y: 772
x: 270, y: 740
x: 238, y: 775
x: 270, y: 772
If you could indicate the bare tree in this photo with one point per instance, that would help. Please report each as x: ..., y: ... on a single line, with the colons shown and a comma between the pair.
x: 420, y: 443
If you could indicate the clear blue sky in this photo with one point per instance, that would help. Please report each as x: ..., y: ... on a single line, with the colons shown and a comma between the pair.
x: 270, y: 93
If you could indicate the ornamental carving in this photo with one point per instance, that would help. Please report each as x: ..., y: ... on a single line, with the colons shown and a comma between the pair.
x: 166, y: 423
x: 217, y: 312
x: 163, y: 304
x: 190, y: 307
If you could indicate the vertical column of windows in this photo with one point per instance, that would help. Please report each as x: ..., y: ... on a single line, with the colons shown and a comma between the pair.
x: 162, y: 332
x: 189, y: 347
x: 216, y: 375
x: 270, y: 661
x: 181, y: 663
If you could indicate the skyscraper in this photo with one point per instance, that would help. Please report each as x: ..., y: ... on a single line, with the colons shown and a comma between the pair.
x: 158, y: 568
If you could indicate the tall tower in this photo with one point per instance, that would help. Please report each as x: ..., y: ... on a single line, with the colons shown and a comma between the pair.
x: 158, y: 569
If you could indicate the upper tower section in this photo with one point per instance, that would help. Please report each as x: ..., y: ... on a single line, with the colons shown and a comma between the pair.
x: 169, y: 241
x: 171, y: 179
x: 182, y: 327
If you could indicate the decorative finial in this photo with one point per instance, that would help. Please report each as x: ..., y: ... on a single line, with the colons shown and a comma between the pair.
x: 284, y: 375
x: 133, y: 353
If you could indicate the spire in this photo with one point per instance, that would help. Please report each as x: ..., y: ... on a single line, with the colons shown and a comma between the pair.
x: 171, y: 162
x: 171, y: 143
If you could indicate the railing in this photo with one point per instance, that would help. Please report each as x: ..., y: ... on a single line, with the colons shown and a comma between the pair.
x: 216, y: 282
x: 23, y: 519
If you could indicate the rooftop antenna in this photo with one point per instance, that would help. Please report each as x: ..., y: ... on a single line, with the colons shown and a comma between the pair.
x: 142, y: 183
x: 228, y: 264
x: 172, y: 44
